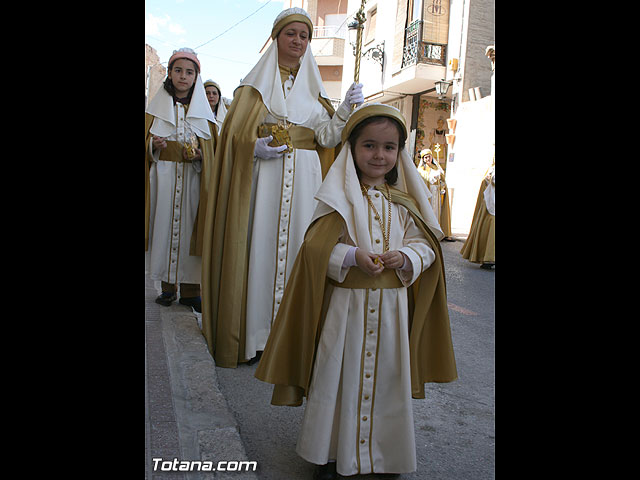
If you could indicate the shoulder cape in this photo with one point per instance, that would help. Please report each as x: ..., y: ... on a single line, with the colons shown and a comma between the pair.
x: 287, y: 361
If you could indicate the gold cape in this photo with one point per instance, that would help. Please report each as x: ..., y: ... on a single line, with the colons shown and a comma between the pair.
x: 225, y: 256
x: 445, y: 213
x: 480, y: 245
x: 208, y: 149
x: 287, y: 361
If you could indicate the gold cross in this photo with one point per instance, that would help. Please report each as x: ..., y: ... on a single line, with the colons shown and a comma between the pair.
x: 437, y: 150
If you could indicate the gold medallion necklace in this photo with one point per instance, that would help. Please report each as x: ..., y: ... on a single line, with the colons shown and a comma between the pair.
x: 386, y: 232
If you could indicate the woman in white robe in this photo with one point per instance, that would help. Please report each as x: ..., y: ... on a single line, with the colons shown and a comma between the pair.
x: 480, y: 245
x: 434, y: 176
x: 273, y: 196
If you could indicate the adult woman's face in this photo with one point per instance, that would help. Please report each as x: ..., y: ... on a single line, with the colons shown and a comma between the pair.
x: 292, y: 42
x: 213, y: 96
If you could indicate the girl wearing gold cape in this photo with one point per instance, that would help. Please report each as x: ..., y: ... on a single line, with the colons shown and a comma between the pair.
x: 359, y: 347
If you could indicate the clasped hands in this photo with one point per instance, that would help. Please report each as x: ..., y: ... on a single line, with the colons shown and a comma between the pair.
x: 366, y: 261
x: 160, y: 143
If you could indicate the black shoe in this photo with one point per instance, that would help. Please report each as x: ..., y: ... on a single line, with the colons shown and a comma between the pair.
x: 487, y: 266
x: 166, y: 299
x: 193, y: 302
x: 255, y: 359
x: 326, y: 472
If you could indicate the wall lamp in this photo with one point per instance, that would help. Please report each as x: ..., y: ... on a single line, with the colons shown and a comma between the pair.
x: 442, y: 87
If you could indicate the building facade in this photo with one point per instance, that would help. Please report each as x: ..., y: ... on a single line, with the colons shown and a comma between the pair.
x: 154, y: 73
x: 328, y: 42
x: 472, y: 43
x: 408, y: 46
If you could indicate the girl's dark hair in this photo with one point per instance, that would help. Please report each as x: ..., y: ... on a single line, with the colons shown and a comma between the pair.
x: 392, y: 175
x: 168, y: 84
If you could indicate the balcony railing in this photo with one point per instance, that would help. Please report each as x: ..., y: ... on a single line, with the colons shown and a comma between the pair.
x: 417, y: 51
x: 329, y: 31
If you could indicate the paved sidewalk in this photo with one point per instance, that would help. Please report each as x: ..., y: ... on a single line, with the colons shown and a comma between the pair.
x: 186, y: 416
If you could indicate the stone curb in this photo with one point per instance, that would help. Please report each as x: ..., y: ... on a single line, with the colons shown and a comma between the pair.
x: 207, y: 428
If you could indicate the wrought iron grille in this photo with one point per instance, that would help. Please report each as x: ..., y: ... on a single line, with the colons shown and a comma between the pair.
x: 417, y: 51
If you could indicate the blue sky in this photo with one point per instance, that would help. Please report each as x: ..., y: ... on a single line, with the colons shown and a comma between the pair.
x: 171, y: 24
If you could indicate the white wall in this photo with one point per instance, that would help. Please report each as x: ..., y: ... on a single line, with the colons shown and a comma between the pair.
x: 473, y: 153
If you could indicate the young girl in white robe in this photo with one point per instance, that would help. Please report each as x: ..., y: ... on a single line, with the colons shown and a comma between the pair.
x: 363, y: 347
x: 180, y: 140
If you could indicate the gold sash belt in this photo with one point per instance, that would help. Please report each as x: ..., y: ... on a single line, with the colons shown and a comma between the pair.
x: 301, y: 137
x: 173, y: 152
x: 356, y: 278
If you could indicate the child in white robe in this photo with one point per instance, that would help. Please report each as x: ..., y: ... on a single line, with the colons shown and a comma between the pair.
x: 178, y: 116
x: 358, y: 417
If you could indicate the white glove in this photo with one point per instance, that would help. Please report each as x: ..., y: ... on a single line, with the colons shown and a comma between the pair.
x: 354, y: 95
x: 263, y: 150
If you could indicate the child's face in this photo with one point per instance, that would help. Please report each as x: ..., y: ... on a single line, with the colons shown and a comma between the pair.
x: 183, y: 76
x: 376, y: 151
